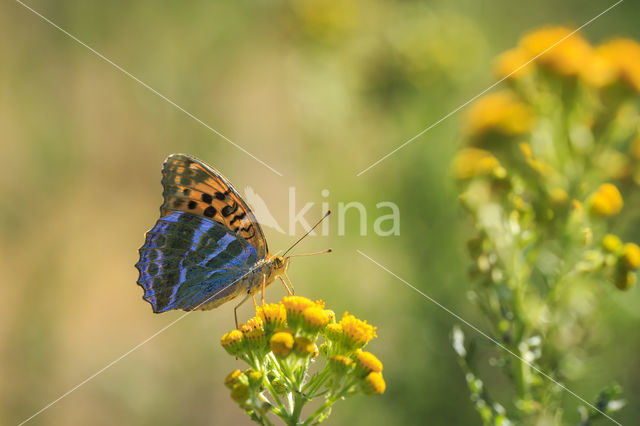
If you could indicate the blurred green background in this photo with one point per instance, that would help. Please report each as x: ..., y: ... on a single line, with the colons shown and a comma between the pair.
x: 317, y: 89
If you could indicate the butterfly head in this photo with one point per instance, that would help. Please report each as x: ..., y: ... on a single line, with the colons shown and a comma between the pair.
x: 280, y: 264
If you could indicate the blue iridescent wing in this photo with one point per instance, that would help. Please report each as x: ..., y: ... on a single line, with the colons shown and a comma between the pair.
x: 191, y: 262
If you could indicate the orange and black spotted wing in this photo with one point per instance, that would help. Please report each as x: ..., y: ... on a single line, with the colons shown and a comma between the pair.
x: 192, y: 186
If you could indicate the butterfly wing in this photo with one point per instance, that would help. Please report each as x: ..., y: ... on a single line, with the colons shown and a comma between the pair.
x: 190, y: 262
x: 192, y: 186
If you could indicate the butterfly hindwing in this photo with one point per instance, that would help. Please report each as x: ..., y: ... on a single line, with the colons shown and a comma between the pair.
x: 192, y: 262
x: 192, y: 186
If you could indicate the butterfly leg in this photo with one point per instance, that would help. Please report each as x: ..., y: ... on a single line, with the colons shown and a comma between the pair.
x: 290, y: 283
x: 235, y: 310
x: 264, y: 285
x: 285, y: 285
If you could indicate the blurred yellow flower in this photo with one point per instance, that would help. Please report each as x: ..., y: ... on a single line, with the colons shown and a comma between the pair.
x: 339, y: 364
x: 326, y: 19
x: 558, y: 196
x: 567, y: 57
x: 472, y: 162
x: 607, y: 201
x: 611, y: 243
x: 631, y: 255
x: 281, y: 343
x: 624, y: 54
x: 368, y: 362
x: 374, y: 384
x: 304, y: 346
x: 508, y: 62
x: 333, y: 331
x: 500, y: 112
x: 232, y: 378
x: 357, y: 332
x: 599, y: 70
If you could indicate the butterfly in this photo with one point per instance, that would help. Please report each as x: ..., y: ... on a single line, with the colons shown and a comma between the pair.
x: 207, y: 248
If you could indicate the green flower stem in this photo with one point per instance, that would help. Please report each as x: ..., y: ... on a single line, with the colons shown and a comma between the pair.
x: 298, y: 403
x: 314, y: 384
x: 274, y: 395
x: 261, y: 415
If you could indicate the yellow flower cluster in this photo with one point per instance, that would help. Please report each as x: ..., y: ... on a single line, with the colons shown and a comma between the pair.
x: 568, y: 54
x: 473, y: 162
x: 499, y: 112
x: 607, y: 201
x: 280, y: 341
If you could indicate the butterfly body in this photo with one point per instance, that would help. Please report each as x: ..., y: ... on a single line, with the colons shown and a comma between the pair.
x: 207, y: 247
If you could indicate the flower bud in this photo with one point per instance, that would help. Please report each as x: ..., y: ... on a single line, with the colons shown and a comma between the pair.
x: 374, y: 384
x: 366, y: 363
x: 232, y: 342
x: 240, y: 392
x: 233, y: 378
x: 281, y: 343
x: 611, y: 243
x: 631, y: 256
x: 304, y: 346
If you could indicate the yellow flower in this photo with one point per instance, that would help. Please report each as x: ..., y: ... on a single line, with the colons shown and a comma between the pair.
x: 255, y: 377
x: 526, y: 150
x: 232, y: 378
x: 631, y: 255
x: 367, y: 362
x: 510, y: 61
x: 611, y: 243
x: 340, y: 364
x: 333, y: 331
x: 254, y: 334
x: 558, y: 196
x: 326, y: 19
x: 281, y: 343
x: 607, y: 201
x: 304, y: 346
x: 599, y: 70
x: 624, y: 54
x: 567, y: 57
x: 273, y: 315
x: 314, y: 318
x: 472, y: 162
x: 500, y: 112
x: 331, y: 315
x: 297, y: 304
x: 232, y: 342
x: 374, y: 384
x: 357, y: 332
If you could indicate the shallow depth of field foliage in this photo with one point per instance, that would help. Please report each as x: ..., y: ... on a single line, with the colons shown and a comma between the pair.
x: 548, y: 165
x: 320, y: 90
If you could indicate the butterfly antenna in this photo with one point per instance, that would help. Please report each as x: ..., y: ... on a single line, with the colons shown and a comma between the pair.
x: 308, y: 232
x: 312, y: 254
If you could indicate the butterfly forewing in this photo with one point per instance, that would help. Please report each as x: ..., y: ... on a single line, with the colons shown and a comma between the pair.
x: 192, y: 262
x: 194, y: 187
